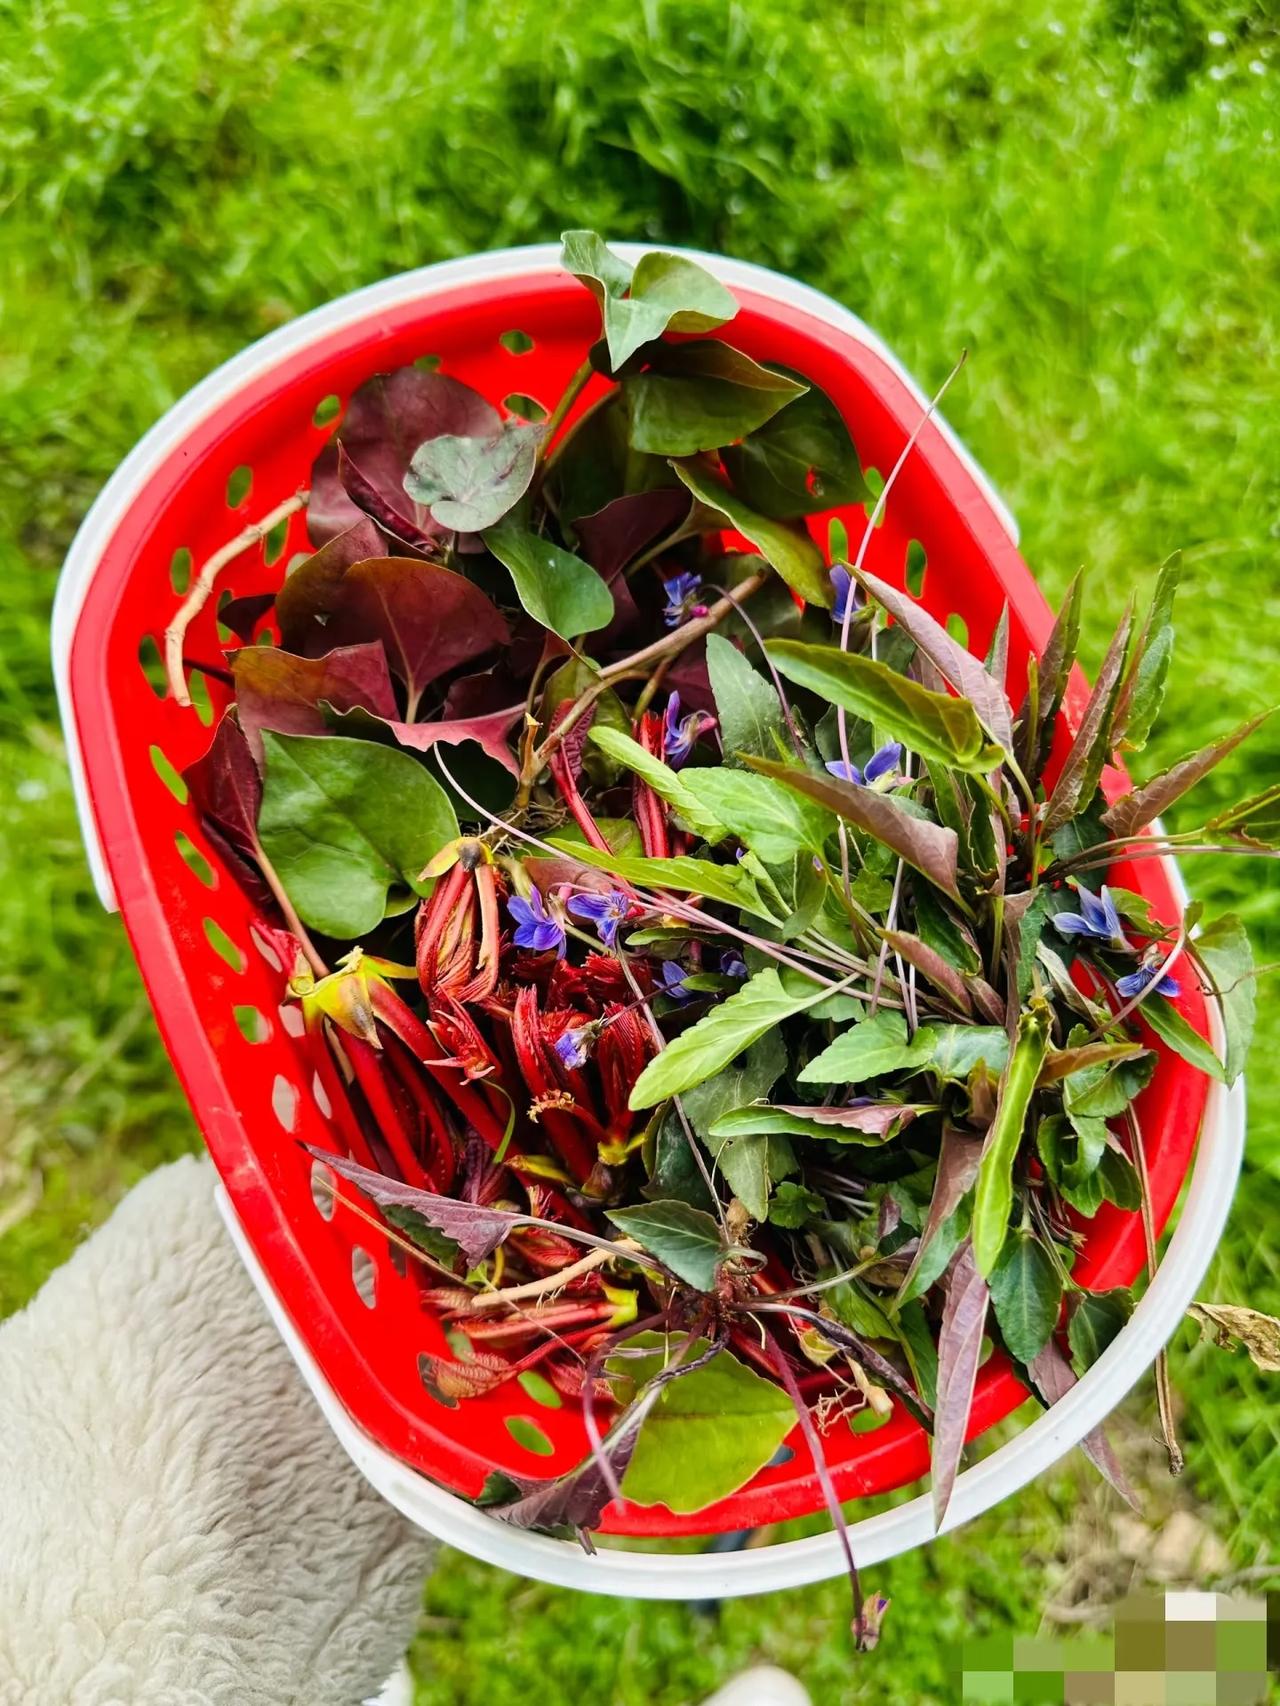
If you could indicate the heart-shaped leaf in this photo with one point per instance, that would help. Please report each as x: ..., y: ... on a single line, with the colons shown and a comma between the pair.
x: 276, y: 690
x: 787, y: 548
x: 469, y: 484
x: 385, y: 422
x: 799, y: 462
x: 747, y: 705
x: 698, y: 396
x: 686, y: 1240
x: 1026, y: 1294
x: 775, y: 822
x: 558, y: 590
x: 309, y: 594
x: 343, y: 821
x: 867, y: 1050
x: 490, y: 732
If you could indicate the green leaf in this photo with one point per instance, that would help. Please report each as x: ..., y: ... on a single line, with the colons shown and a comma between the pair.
x: 668, y: 293
x: 794, y: 1206
x: 867, y: 1050
x: 557, y: 589
x: 343, y: 821
x: 993, y: 1194
x: 1143, y: 691
x: 719, y: 1037
x: 590, y: 259
x: 939, y: 727
x: 698, y: 396
x: 1096, y: 1318
x: 940, y: 930
x: 1026, y: 1293
x: 751, y: 1165
x: 952, y: 1051
x: 1169, y: 1025
x: 729, y: 884
x: 788, y: 548
x: 661, y: 778
x: 468, y: 484
x: 775, y: 822
x: 927, y: 847
x: 922, y: 1352
x: 708, y: 1433
x: 686, y: 1240
x: 747, y: 705
x: 760, y: 1117
x: 1223, y: 950
x: 800, y: 462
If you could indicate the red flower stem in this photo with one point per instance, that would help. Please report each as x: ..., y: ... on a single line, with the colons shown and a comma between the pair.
x: 368, y: 1067
x: 334, y: 1086
x: 563, y: 777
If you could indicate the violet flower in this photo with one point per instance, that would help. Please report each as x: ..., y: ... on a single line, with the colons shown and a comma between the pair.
x: 732, y: 963
x: 1097, y: 919
x: 849, y: 595
x: 1146, y: 977
x: 535, y: 928
x: 679, y: 733
x: 673, y: 981
x: 574, y: 1047
x: 881, y: 768
x: 682, y: 599
x: 605, y: 911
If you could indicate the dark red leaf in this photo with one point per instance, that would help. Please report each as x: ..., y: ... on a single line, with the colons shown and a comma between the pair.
x: 1141, y: 807
x: 1054, y: 1377
x: 489, y: 732
x: 307, y: 598
x: 875, y: 1119
x: 278, y: 691
x: 619, y: 532
x: 242, y: 615
x: 362, y: 470
x: 964, y: 1317
x: 958, y: 1160
x: 227, y: 789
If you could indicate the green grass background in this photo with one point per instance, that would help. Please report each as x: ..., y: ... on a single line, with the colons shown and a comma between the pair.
x: 1083, y: 195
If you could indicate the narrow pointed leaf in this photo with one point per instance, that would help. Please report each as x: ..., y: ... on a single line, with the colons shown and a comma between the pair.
x: 774, y: 821
x: 1054, y: 1377
x: 964, y: 1317
x: 1170, y: 1026
x: 957, y: 1169
x: 1134, y: 811
x: 730, y: 884
x: 664, y: 781
x: 1254, y: 823
x: 475, y: 1230
x: 1143, y: 691
x: 1091, y: 748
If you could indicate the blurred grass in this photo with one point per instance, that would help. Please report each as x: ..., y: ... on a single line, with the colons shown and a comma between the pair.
x: 1084, y: 197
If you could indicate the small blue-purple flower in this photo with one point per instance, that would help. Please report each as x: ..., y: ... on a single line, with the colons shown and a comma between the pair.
x: 535, y: 927
x: 1146, y: 979
x: 881, y: 767
x: 1097, y: 919
x: 682, y: 599
x: 606, y: 911
x: 574, y: 1047
x: 732, y: 963
x: 673, y: 981
x: 679, y: 733
x: 849, y: 595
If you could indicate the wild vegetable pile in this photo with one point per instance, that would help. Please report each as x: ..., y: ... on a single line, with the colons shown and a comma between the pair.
x: 711, y: 968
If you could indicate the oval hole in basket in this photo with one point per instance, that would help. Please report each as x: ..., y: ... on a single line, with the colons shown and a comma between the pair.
x: 225, y: 635
x: 837, y: 541
x: 274, y: 542
x: 252, y: 1023
x: 326, y: 410
x: 364, y: 1276
x: 168, y: 775
x: 917, y: 563
x: 239, y: 485
x: 284, y: 1102
x: 428, y: 363
x: 291, y: 1018
x: 958, y: 628
x: 180, y: 570
x: 265, y: 948
x: 198, y: 688
x: 153, y: 665
x: 322, y: 1194
x: 427, y: 1376
x: 540, y: 1389
x: 320, y: 1095
x: 195, y: 860
x: 516, y: 342
x: 223, y: 946
x: 525, y: 408
x: 527, y: 1433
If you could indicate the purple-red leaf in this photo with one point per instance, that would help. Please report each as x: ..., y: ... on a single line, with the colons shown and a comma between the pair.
x: 941, y: 974
x: 1054, y: 1377
x: 619, y: 532
x: 242, y: 615
x: 476, y: 1231
x: 966, y: 674
x: 309, y: 594
x: 362, y: 470
x: 1141, y: 807
x: 1091, y: 747
x: 489, y: 732
x: 227, y: 788
x: 928, y: 847
x: 278, y: 691
x: 874, y: 1119
x: 964, y: 1317
x: 958, y: 1160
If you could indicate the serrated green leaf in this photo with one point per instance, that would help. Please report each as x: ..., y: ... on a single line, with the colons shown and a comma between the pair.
x: 775, y: 822
x: 1026, y: 1294
x: 747, y: 705
x: 788, y: 548
x: 1096, y: 1318
x: 661, y: 778
x: 937, y: 726
x: 686, y: 1240
x: 1224, y: 951
x: 343, y: 821
x: 557, y: 589
x: 708, y: 1433
x: 867, y: 1050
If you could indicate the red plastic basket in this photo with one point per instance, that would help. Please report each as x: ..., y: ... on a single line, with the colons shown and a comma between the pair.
x: 213, y: 980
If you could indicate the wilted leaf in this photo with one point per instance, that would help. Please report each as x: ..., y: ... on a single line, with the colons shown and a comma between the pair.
x: 469, y: 484
x: 800, y: 462
x: 873, y: 1124
x: 278, y: 691
x: 788, y: 548
x: 957, y: 1169
x: 558, y: 590
x: 343, y: 821
x: 1258, y: 1333
x: 927, y: 847
x: 226, y: 788
x: 1051, y: 677
x: 686, y: 1240
x: 476, y: 1231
